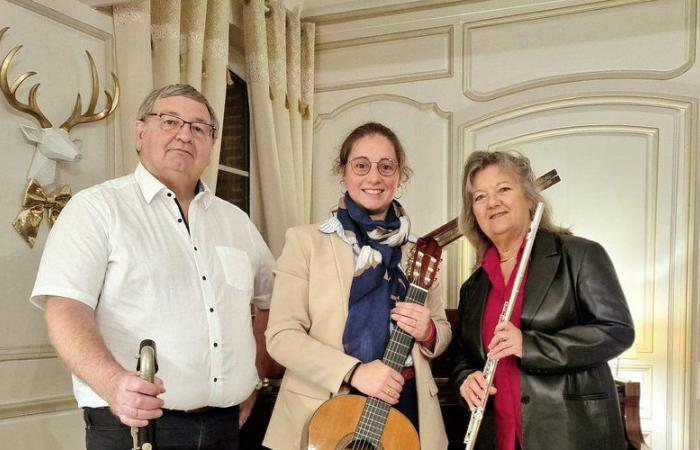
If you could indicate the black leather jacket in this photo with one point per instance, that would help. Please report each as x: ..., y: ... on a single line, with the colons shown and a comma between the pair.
x: 574, y: 319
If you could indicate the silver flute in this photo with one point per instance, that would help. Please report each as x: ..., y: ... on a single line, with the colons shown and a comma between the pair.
x: 490, y: 367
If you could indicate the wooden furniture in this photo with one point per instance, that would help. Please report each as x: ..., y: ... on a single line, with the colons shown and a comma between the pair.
x: 628, y: 392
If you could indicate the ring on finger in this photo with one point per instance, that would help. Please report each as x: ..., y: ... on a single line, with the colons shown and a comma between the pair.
x: 387, y: 391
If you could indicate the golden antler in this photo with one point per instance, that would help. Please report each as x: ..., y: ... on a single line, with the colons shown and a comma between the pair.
x: 10, y: 92
x: 90, y: 115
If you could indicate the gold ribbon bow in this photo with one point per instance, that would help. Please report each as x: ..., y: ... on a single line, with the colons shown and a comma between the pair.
x: 33, y: 205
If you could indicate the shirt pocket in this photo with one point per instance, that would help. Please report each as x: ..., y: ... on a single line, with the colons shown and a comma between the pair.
x: 236, y: 267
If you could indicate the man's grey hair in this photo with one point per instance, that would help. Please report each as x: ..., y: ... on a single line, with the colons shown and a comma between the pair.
x: 177, y: 90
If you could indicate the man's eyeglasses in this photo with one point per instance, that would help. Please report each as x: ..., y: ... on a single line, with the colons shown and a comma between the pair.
x: 171, y: 123
x: 362, y: 165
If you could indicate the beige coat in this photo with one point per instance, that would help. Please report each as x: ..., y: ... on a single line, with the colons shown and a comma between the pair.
x: 305, y: 334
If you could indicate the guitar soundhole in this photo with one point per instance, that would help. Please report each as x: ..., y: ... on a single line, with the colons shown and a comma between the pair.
x: 361, y: 444
x: 348, y: 443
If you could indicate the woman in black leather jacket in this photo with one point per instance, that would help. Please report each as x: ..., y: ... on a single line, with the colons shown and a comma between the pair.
x: 553, y: 387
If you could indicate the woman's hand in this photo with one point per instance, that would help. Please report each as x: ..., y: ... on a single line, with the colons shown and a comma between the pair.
x: 376, y: 379
x: 473, y: 389
x: 507, y: 340
x: 414, y: 319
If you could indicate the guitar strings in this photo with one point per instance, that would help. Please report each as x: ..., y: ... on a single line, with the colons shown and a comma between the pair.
x: 368, y: 434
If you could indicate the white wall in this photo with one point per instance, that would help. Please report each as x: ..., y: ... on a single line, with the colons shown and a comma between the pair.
x: 606, y: 92
x: 37, y: 410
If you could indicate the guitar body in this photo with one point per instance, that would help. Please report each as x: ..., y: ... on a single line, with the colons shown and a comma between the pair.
x: 333, y: 424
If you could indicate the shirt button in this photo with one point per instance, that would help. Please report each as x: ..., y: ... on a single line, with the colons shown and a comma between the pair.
x: 179, y: 220
x: 195, y: 248
x: 211, y: 309
x: 525, y: 399
x: 216, y: 344
x: 169, y: 194
x: 204, y: 278
x: 215, y: 379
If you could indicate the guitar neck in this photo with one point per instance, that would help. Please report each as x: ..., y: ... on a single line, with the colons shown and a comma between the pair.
x: 375, y: 413
x: 400, y: 342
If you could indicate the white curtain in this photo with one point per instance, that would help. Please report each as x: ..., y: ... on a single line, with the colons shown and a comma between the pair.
x: 161, y: 42
x: 279, y: 58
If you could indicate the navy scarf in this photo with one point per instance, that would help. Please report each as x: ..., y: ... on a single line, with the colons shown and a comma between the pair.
x: 378, y: 280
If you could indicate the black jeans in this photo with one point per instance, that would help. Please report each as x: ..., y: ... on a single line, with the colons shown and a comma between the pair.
x: 213, y: 429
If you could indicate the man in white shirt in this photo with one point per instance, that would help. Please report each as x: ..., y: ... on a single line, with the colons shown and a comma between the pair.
x: 156, y: 255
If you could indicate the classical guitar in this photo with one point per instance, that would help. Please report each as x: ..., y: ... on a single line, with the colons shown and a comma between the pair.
x: 358, y: 422
x: 355, y: 422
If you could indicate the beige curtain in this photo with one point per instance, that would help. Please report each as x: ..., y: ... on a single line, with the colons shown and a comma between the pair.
x: 161, y: 42
x: 279, y: 58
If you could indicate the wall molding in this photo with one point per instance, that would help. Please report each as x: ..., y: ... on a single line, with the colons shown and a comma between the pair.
x: 432, y: 106
x: 446, y: 30
x: 46, y: 405
x: 470, y: 92
x: 26, y: 352
x: 366, y: 13
x: 64, y: 19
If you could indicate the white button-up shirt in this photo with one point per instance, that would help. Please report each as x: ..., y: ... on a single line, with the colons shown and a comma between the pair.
x: 123, y: 248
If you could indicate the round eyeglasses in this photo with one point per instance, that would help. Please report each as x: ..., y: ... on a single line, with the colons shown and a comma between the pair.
x: 362, y: 165
x: 172, y: 123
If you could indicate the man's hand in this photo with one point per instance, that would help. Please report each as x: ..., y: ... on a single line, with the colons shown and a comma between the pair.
x: 245, y: 408
x: 75, y: 335
x: 134, y: 400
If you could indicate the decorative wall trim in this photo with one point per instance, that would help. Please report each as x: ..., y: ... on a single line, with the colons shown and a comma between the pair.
x: 447, y: 31
x: 321, y: 118
x: 27, y: 352
x: 643, y: 341
x: 64, y: 19
x: 39, y: 406
x: 470, y: 92
x: 379, y: 11
x: 684, y: 105
x: 682, y: 234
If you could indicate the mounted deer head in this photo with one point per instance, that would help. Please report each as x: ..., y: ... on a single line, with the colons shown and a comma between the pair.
x: 53, y: 144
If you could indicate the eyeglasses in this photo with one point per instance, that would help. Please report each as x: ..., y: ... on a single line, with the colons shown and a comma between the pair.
x: 362, y: 165
x: 171, y: 123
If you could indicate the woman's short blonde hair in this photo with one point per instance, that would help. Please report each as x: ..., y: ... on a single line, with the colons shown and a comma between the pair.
x: 520, y: 166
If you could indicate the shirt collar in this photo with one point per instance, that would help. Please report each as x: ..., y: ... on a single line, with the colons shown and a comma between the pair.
x: 150, y: 186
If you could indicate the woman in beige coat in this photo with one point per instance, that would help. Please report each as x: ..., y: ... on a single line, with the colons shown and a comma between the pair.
x: 333, y: 302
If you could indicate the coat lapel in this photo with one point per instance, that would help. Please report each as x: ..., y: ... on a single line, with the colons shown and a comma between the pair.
x: 544, y: 261
x: 345, y: 267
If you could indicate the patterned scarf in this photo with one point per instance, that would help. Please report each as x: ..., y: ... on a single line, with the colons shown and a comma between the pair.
x: 378, y: 280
